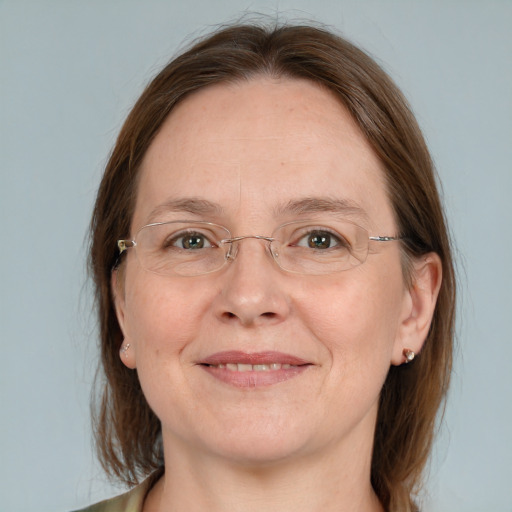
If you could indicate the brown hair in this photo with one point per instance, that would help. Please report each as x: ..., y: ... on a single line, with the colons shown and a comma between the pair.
x: 127, y: 431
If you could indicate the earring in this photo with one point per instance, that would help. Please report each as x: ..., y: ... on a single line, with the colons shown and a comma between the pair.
x: 409, y: 355
x: 124, y: 349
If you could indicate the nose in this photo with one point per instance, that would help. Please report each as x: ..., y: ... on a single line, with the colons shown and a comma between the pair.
x: 253, y: 291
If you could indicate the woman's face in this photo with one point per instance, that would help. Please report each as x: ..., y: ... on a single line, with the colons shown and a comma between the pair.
x: 252, y: 156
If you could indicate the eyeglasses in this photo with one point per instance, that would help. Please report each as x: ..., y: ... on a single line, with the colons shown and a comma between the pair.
x: 193, y: 248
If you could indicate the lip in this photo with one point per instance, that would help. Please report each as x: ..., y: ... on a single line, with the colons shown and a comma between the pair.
x: 268, y: 357
x: 292, y: 367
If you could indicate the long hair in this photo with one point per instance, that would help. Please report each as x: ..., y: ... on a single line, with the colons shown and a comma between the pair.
x: 128, y: 433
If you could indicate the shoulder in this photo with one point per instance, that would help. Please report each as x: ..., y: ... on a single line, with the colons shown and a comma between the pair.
x: 131, y: 501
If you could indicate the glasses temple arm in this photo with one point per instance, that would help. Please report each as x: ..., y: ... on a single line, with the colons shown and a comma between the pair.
x: 385, y: 238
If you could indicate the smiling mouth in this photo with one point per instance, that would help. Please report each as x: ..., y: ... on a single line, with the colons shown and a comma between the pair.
x: 242, y: 367
x: 253, y: 370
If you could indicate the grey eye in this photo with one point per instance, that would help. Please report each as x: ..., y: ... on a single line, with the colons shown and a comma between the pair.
x: 189, y: 241
x: 193, y: 242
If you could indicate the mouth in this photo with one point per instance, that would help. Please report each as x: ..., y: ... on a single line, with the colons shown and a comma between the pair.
x: 242, y: 367
x: 252, y: 370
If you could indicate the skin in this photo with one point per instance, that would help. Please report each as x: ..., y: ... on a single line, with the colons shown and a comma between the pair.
x: 302, y: 444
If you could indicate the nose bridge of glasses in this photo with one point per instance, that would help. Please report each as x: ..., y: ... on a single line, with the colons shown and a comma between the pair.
x: 232, y: 244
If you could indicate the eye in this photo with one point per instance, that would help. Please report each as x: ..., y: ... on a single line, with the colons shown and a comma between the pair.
x: 320, y: 239
x: 189, y: 241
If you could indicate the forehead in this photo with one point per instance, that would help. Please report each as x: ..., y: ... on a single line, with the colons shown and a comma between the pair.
x: 251, y: 147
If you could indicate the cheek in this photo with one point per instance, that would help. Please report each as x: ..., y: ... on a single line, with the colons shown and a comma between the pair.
x: 162, y: 315
x: 355, y: 316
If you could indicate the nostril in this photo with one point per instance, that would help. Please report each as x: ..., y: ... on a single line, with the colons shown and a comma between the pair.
x: 228, y: 315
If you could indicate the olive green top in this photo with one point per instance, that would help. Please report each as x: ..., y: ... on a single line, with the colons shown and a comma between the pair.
x: 131, y: 501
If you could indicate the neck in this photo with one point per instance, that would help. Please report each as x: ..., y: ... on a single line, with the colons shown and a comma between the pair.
x: 309, y: 483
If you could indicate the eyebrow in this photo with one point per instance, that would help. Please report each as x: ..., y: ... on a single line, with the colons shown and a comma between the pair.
x: 307, y: 205
x: 193, y: 205
x: 301, y: 207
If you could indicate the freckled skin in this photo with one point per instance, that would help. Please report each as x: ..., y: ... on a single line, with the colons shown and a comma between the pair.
x: 249, y: 147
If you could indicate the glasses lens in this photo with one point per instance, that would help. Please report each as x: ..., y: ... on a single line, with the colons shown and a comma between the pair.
x: 183, y: 248
x: 321, y: 247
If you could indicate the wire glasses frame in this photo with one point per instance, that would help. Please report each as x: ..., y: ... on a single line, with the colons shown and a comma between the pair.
x: 193, y: 248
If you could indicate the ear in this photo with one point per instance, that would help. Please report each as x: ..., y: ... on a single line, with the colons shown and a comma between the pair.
x: 419, y: 305
x: 127, y: 348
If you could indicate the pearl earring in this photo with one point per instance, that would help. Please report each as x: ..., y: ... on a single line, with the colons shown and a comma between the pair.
x: 124, y: 349
x: 409, y: 355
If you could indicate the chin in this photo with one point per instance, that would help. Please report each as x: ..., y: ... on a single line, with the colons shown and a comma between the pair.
x: 259, y: 444
x: 262, y: 452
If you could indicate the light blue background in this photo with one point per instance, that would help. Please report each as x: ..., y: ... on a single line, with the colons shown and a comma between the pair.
x: 69, y: 73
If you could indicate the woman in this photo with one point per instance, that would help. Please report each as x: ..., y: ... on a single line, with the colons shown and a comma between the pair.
x: 269, y: 252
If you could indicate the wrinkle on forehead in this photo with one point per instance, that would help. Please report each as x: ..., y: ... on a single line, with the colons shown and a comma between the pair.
x: 337, y: 137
